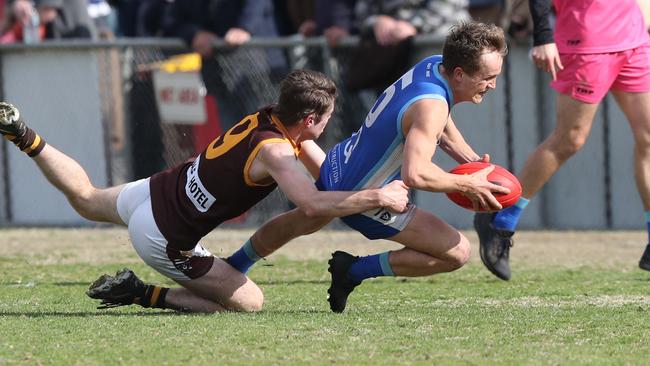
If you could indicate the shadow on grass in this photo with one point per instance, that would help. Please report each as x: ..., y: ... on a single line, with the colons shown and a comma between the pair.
x: 297, y: 311
x: 71, y: 283
x: 291, y: 282
x: 95, y: 314
x: 34, y: 283
x: 87, y: 314
x: 86, y: 283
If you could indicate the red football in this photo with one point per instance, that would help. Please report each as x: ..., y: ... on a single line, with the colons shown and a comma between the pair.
x: 500, y: 176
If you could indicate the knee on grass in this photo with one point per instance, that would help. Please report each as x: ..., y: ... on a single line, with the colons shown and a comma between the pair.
x: 251, y: 304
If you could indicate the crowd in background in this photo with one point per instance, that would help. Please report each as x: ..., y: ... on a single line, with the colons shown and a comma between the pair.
x: 235, y: 21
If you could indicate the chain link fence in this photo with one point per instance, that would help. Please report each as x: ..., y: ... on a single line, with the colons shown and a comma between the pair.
x: 128, y: 137
x: 98, y: 102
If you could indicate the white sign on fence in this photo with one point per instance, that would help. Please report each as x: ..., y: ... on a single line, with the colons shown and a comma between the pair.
x: 180, y: 97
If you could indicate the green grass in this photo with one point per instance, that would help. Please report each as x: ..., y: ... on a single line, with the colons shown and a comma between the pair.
x: 586, y: 315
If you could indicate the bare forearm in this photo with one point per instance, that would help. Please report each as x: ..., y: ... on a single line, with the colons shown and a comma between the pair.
x: 457, y: 148
x: 339, y: 203
x: 461, y: 153
x: 433, y: 179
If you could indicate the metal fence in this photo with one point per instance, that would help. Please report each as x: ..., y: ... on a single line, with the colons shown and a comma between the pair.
x: 96, y: 102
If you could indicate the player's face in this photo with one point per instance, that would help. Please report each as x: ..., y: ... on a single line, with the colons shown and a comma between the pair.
x: 485, y: 78
x: 317, y: 129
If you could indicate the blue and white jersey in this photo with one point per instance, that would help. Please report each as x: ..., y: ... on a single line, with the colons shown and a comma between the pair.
x: 372, y: 156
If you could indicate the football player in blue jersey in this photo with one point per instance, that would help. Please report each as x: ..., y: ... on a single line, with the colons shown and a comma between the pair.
x: 398, y: 139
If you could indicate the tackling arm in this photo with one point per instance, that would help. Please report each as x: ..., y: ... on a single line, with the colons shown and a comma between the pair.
x: 280, y: 162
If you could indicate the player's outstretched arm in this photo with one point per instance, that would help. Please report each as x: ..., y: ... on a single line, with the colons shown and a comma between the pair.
x: 280, y: 162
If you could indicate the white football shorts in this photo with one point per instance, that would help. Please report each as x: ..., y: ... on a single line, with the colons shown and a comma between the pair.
x: 134, y: 207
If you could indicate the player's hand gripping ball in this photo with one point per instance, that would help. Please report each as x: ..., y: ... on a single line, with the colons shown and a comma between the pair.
x: 499, y: 176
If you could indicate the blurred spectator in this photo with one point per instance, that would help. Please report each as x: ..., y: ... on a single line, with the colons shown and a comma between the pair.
x: 519, y: 23
x: 50, y: 19
x: 512, y: 15
x: 334, y: 19
x: 139, y: 18
x: 301, y: 13
x: 65, y: 19
x: 307, y: 18
x: 295, y: 17
x: 21, y: 13
x: 386, y: 29
x: 201, y: 22
x: 487, y: 11
x: 396, y: 20
x: 240, y: 78
x: 102, y: 16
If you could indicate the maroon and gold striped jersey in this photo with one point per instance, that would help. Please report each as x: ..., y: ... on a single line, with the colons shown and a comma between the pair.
x: 191, y: 199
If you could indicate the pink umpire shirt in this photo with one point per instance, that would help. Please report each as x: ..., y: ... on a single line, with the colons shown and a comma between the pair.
x: 598, y: 26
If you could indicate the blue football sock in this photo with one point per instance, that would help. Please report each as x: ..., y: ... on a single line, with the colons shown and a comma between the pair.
x: 647, y: 224
x: 243, y: 259
x: 509, y: 218
x: 371, y: 266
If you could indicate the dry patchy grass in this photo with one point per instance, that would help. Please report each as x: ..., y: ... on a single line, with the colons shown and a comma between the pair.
x: 533, y: 249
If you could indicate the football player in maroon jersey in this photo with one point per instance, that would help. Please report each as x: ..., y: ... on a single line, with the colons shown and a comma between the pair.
x: 168, y: 213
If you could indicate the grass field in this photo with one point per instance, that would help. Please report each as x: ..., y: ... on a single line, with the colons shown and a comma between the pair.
x: 575, y: 298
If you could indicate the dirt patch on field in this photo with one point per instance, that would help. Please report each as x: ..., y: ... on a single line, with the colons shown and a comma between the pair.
x: 606, y: 249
